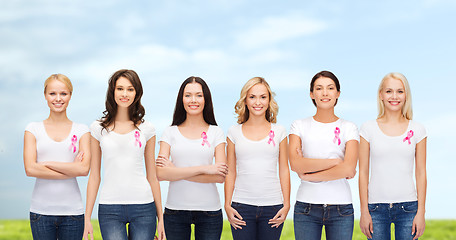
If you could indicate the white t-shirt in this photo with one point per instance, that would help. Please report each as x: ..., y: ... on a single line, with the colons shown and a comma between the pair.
x: 185, y: 152
x: 257, y: 182
x: 124, y: 180
x: 392, y: 162
x: 55, y: 196
x: 324, y: 141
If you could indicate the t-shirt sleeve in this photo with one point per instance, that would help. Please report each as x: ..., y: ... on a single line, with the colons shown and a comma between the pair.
x: 95, y: 130
x: 166, y: 136
x: 295, y: 128
x: 364, y: 131
x: 231, y: 134
x: 219, y: 136
x: 282, y: 132
x: 148, y: 130
x: 352, y: 132
x: 420, y: 132
x: 31, y: 127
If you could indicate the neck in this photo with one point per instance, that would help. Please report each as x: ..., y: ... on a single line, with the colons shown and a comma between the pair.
x: 325, y: 115
x: 256, y: 120
x: 122, y: 115
x: 60, y: 117
x: 194, y: 120
x: 394, y: 117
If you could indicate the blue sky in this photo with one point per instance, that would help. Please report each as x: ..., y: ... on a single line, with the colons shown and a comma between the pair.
x: 226, y: 43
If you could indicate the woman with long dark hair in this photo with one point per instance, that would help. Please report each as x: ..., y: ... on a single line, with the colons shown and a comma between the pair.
x: 127, y: 143
x: 186, y: 159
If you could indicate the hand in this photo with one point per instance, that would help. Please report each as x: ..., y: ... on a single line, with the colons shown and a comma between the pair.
x: 88, y: 229
x: 163, y: 161
x: 218, y: 168
x: 280, y: 217
x: 234, y: 217
x: 418, y: 225
x: 160, y: 231
x: 79, y: 157
x: 365, y: 223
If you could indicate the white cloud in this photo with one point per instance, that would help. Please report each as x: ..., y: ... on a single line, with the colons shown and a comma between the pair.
x: 272, y: 30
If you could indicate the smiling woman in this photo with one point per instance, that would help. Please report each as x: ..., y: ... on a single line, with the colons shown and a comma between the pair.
x: 56, y: 151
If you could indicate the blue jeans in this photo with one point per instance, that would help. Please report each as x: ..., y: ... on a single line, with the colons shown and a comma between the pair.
x: 309, y: 220
x: 256, y: 219
x: 141, y: 219
x: 208, y: 224
x: 401, y: 214
x: 50, y: 227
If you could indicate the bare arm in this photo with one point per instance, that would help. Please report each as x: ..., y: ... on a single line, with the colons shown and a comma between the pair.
x: 347, y: 169
x: 284, y: 176
x: 421, y: 187
x: 301, y: 164
x: 32, y: 168
x: 92, y: 185
x: 149, y: 158
x: 365, y: 222
x: 168, y: 172
x: 75, y: 168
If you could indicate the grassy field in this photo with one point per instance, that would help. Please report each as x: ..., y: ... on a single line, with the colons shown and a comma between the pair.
x: 435, y: 230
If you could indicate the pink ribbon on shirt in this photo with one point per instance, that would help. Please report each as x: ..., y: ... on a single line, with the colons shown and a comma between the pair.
x: 74, y: 139
x: 137, y: 139
x: 409, y: 135
x: 336, y: 136
x: 271, y: 138
x: 204, y: 137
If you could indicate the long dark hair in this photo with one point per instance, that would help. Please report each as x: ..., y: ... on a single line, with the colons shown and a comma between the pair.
x: 135, y: 110
x: 180, y: 115
x: 326, y: 74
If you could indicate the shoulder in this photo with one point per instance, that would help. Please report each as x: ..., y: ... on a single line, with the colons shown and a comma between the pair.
x: 417, y: 125
x: 32, y: 127
x: 368, y: 124
x: 278, y: 128
x: 234, y: 128
x: 347, y: 124
x: 95, y: 125
x: 80, y: 127
x: 146, y: 126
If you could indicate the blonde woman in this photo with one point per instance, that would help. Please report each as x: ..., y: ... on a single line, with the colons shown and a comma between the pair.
x: 56, y: 151
x: 393, y: 147
x: 257, y: 197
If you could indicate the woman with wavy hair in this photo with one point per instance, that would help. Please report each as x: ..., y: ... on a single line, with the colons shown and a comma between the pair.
x: 392, y: 147
x: 127, y: 143
x: 257, y: 196
x: 324, y: 153
x: 186, y: 159
x: 56, y: 151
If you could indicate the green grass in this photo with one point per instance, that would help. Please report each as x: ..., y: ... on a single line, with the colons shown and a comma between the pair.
x: 435, y: 230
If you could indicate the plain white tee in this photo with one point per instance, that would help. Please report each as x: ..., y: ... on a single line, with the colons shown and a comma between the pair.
x: 185, y: 152
x: 56, y: 196
x: 392, y: 160
x: 321, y: 141
x: 124, y: 178
x: 257, y: 181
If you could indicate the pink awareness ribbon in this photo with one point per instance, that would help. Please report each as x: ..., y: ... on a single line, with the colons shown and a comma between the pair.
x: 137, y: 139
x: 204, y: 137
x: 409, y: 135
x: 271, y: 138
x: 336, y: 136
x: 74, y: 139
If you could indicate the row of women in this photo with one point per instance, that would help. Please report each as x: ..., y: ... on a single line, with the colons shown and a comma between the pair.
x: 322, y: 149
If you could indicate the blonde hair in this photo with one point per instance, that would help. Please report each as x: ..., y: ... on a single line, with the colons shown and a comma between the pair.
x: 407, y: 108
x: 243, y: 112
x: 61, y: 78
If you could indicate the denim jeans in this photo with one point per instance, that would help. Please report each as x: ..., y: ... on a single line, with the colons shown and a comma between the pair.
x: 141, y: 219
x: 309, y: 220
x: 256, y: 219
x: 401, y: 214
x: 50, y: 227
x: 208, y: 224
